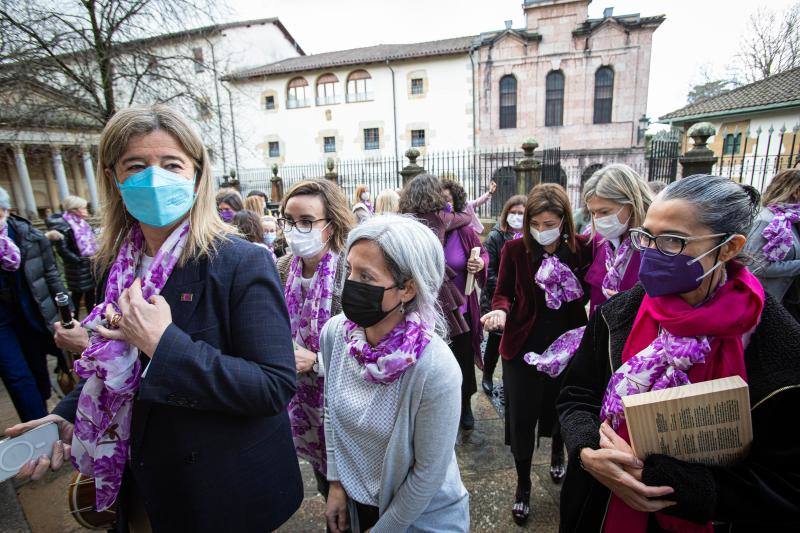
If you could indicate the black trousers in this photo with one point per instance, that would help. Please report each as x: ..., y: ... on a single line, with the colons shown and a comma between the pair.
x: 492, y: 353
x: 461, y: 346
x: 88, y: 300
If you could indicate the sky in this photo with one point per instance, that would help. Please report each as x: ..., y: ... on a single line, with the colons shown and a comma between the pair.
x: 697, y: 34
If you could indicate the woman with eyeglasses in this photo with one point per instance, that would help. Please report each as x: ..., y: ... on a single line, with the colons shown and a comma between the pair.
x: 617, y: 198
x: 697, y: 315
x: 538, y: 297
x: 315, y: 222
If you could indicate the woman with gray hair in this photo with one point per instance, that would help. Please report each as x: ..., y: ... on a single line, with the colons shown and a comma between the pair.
x: 392, y: 388
x: 697, y: 315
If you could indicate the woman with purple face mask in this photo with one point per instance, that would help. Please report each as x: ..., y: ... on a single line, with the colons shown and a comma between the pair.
x: 228, y: 205
x: 697, y: 315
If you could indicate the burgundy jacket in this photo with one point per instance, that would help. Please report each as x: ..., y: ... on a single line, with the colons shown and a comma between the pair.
x: 516, y: 290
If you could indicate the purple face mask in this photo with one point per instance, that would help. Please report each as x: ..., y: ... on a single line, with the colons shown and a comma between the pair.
x: 226, y: 215
x: 661, y: 274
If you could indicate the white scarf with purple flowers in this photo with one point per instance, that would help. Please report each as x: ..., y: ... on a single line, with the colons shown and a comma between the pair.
x: 394, y: 354
x: 10, y: 257
x: 616, y: 264
x: 778, y: 233
x: 112, y: 369
x: 308, y: 313
x: 84, y: 236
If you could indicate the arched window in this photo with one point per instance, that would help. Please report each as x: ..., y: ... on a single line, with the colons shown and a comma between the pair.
x: 508, y: 102
x: 359, y: 86
x: 603, y: 95
x: 297, y: 93
x: 326, y: 89
x: 554, y: 99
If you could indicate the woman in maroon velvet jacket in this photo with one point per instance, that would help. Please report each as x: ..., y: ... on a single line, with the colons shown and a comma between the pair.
x: 532, y: 318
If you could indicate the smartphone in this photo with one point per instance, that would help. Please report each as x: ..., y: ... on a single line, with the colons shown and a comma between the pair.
x: 16, y: 451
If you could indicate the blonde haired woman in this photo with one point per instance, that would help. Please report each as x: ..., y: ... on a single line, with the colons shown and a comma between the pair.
x: 189, y: 355
x: 618, y: 199
x: 256, y: 204
x: 388, y: 201
x: 362, y: 208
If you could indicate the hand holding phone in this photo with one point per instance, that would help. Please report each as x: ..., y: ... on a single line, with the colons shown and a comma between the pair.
x: 53, y: 431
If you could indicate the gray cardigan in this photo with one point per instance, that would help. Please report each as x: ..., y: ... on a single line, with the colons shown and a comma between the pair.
x: 776, y: 277
x: 421, y: 488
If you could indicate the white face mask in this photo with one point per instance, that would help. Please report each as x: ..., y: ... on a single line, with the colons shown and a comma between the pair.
x: 610, y: 227
x: 364, y: 196
x: 514, y: 220
x: 548, y: 236
x: 305, y: 245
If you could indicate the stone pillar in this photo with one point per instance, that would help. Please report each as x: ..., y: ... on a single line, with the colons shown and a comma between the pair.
x: 16, y: 189
x: 276, y: 194
x: 25, y: 182
x: 700, y: 159
x: 88, y: 172
x: 331, y: 174
x: 50, y: 184
x: 61, y: 174
x: 528, y: 169
x: 412, y: 169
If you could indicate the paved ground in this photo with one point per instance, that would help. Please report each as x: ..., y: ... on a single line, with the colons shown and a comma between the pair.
x: 486, y: 468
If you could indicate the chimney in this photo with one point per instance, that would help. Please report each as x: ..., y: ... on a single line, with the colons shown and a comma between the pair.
x: 509, y: 23
x: 608, y: 12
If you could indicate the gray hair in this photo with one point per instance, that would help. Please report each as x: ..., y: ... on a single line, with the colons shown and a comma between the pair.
x: 73, y: 202
x: 412, y: 252
x: 722, y: 205
x: 5, y: 199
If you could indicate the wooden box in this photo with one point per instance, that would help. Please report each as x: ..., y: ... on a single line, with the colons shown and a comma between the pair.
x: 705, y: 422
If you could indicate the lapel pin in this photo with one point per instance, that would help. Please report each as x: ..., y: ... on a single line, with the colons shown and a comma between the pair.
x: 186, y: 297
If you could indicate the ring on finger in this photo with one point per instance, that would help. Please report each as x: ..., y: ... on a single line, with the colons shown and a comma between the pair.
x: 114, y: 321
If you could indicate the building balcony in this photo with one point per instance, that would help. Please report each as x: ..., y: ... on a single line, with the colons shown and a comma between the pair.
x: 294, y: 104
x: 329, y: 100
x: 359, y: 97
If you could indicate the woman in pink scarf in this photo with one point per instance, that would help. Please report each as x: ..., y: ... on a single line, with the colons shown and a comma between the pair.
x: 698, y: 315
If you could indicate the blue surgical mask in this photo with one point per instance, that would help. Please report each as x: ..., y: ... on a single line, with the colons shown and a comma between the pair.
x: 269, y: 238
x: 156, y: 196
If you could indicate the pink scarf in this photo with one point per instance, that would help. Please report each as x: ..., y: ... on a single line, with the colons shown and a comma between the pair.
x: 84, y: 236
x: 112, y: 369
x: 394, y: 354
x: 10, y: 257
x: 671, y: 344
x: 778, y: 233
x: 307, y: 315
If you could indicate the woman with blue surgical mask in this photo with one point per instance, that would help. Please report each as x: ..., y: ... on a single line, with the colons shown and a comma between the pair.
x: 698, y: 315
x: 617, y: 198
x: 316, y: 220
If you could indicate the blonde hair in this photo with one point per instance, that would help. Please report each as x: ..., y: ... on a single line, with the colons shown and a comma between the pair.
x: 620, y: 184
x: 206, y: 227
x: 388, y: 201
x: 782, y: 187
x: 256, y: 204
x: 359, y: 189
x: 335, y: 204
x: 72, y: 202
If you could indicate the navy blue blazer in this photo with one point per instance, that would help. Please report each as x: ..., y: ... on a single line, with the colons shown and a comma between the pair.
x: 211, y: 446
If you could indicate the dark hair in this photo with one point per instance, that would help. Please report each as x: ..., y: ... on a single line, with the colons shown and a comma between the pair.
x: 457, y: 192
x: 232, y: 199
x: 334, y: 202
x: 262, y: 194
x: 249, y: 225
x: 549, y: 197
x: 517, y: 199
x: 421, y: 195
x: 722, y: 205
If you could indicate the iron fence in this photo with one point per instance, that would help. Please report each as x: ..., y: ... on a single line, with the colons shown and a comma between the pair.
x: 769, y: 154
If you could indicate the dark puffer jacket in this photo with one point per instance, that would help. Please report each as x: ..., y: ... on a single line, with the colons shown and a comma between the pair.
x: 39, y: 265
x: 77, y: 269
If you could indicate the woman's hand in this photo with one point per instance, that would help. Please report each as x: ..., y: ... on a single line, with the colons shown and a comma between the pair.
x: 494, y: 320
x: 609, y: 440
x: 304, y: 359
x: 475, y: 265
x: 336, y: 509
x: 492, y: 187
x: 609, y: 468
x: 74, y: 339
x: 36, y: 468
x: 142, y: 323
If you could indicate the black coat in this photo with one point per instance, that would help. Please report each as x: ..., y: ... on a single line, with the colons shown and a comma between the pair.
x: 39, y: 266
x: 211, y: 446
x: 494, y: 243
x: 761, y: 493
x: 77, y: 269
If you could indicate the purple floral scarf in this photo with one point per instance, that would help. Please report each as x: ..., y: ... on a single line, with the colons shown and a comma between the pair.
x: 778, y: 232
x: 557, y: 356
x: 616, y: 263
x: 558, y: 282
x: 308, y: 313
x: 10, y: 257
x: 662, y: 365
x: 84, y: 236
x: 394, y: 354
x: 112, y: 369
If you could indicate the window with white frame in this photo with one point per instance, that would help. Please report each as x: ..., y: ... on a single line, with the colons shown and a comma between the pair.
x: 359, y: 86
x: 372, y: 139
x: 297, y: 93
x: 329, y: 144
x: 417, y: 138
x: 274, y: 149
x: 326, y: 89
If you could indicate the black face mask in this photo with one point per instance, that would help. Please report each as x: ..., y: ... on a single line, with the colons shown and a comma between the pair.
x: 362, y: 303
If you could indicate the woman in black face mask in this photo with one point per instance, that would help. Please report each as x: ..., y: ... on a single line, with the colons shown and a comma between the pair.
x: 391, y: 381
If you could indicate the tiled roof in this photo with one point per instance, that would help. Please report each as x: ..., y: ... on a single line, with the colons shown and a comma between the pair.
x: 782, y: 88
x: 359, y: 56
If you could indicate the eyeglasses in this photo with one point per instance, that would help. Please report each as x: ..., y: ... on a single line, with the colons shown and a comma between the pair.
x: 303, y: 226
x: 667, y: 244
